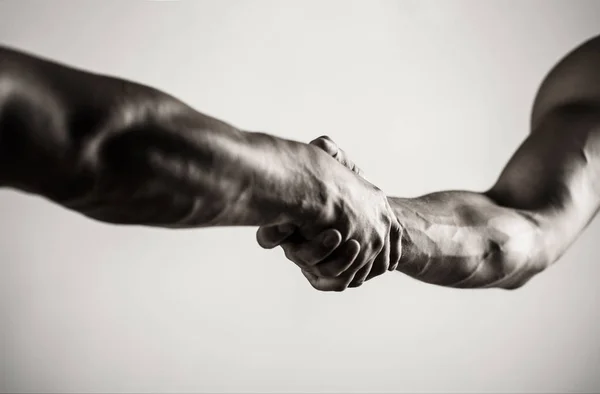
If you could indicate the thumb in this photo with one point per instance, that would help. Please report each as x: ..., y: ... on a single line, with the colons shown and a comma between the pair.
x: 331, y: 148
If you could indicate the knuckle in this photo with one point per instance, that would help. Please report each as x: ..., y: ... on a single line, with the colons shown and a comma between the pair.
x: 381, y: 195
x: 319, y: 142
x: 325, y: 143
x: 377, y: 243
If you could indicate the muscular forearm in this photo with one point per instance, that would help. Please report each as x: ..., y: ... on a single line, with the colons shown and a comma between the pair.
x: 464, y: 239
x: 198, y: 177
x: 125, y: 153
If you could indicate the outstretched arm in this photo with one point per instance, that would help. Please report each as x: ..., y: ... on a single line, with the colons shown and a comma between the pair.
x: 125, y: 153
x: 542, y: 201
x: 544, y: 198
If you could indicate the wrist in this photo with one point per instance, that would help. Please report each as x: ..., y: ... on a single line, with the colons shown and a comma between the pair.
x: 297, y: 183
x: 414, y: 242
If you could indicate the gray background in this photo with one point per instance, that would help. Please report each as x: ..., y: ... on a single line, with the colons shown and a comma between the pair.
x: 424, y: 96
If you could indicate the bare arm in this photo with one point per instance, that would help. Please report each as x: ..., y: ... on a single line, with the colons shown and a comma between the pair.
x: 122, y: 152
x: 544, y: 198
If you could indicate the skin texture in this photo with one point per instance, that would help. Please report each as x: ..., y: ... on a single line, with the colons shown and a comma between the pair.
x: 544, y: 198
x: 123, y: 153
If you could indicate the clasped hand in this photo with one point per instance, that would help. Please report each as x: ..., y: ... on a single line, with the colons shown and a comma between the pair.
x: 360, y: 241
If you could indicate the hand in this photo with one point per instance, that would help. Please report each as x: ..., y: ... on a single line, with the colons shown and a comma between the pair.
x: 327, y: 261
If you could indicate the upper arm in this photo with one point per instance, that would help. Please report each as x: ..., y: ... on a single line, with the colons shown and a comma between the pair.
x: 54, y: 118
x: 575, y: 79
x: 555, y: 174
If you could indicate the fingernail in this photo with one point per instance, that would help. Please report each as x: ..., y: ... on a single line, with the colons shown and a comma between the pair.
x: 330, y: 240
x: 285, y: 228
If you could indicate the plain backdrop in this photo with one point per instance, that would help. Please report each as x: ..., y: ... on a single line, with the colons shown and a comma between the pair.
x: 424, y: 95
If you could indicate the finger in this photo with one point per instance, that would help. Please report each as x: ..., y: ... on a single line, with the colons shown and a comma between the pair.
x: 367, y: 256
x: 364, y: 258
x: 326, y: 144
x: 361, y: 276
x: 332, y: 149
x: 312, y: 252
x: 339, y: 261
x: 395, y: 246
x: 269, y: 237
x: 326, y: 284
x: 380, y: 265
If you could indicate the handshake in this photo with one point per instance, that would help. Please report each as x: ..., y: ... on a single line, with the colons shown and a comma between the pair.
x: 124, y: 153
x: 351, y: 240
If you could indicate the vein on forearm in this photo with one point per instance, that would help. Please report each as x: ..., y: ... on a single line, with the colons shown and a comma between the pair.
x: 462, y: 239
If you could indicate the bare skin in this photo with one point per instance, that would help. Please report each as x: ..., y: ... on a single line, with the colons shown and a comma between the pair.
x: 544, y: 198
x: 123, y: 153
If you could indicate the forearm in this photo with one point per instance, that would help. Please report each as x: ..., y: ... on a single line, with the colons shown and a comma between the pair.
x: 124, y: 153
x: 200, y: 177
x: 464, y: 239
